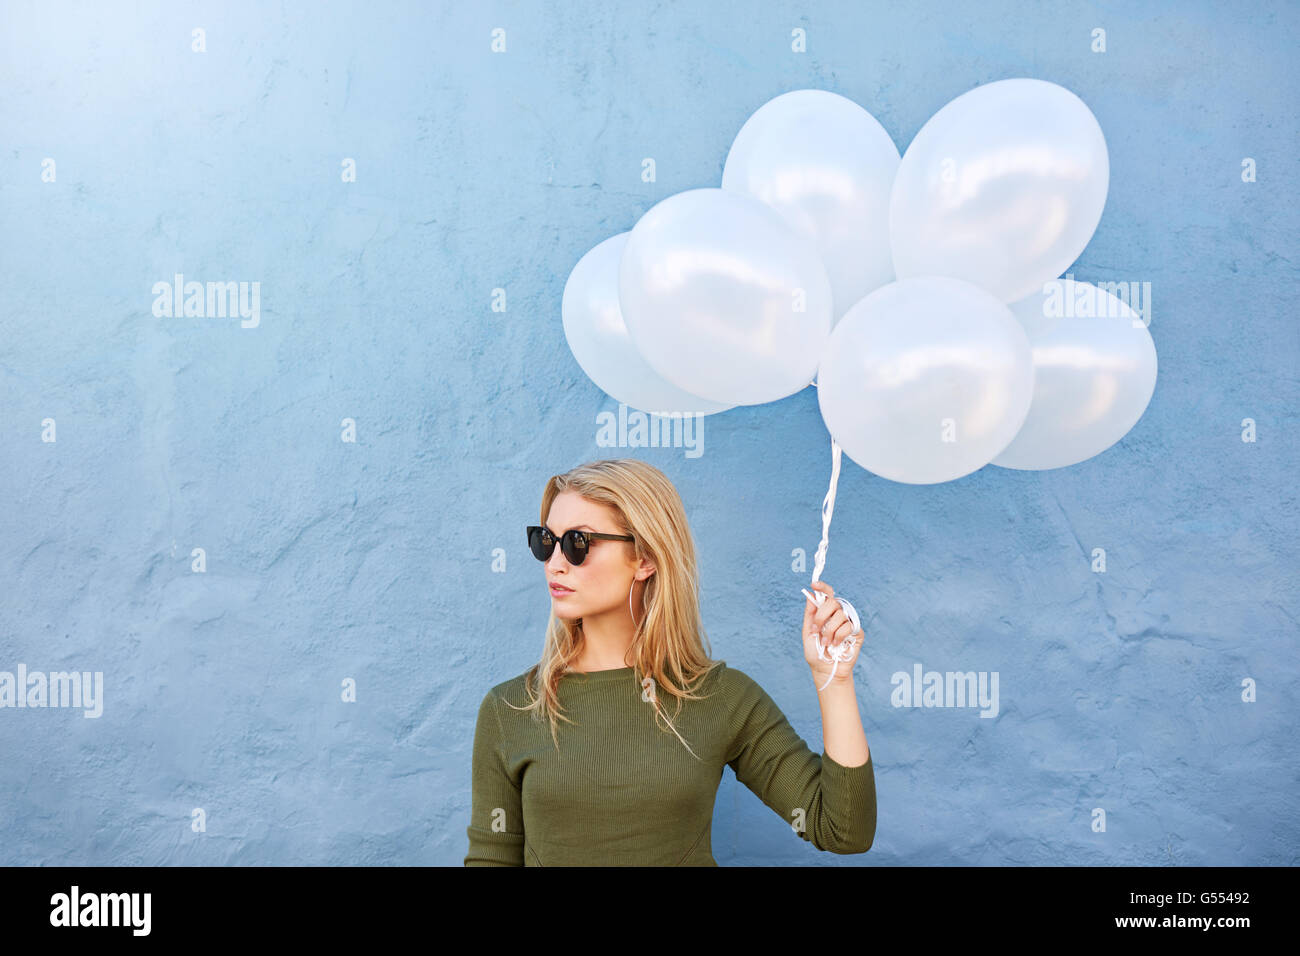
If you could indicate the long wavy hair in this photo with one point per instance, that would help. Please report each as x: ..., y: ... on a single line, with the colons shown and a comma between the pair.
x: 669, y: 645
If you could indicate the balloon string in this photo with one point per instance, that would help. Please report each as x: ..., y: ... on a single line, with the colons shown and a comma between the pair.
x: 844, y: 650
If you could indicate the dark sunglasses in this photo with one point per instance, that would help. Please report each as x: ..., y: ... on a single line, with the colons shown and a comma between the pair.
x: 573, y: 543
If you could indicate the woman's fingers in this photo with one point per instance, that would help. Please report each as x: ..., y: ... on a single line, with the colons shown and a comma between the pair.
x: 829, y: 611
x: 829, y: 620
x: 834, y: 630
x: 811, y: 608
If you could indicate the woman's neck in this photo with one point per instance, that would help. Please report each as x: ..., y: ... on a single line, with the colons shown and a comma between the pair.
x: 605, y: 643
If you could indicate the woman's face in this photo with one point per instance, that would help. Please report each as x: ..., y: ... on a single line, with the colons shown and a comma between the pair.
x: 602, y: 582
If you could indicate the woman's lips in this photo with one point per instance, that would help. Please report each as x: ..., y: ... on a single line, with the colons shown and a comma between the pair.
x: 558, y: 591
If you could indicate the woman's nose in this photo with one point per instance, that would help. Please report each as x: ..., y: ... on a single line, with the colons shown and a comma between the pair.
x: 557, y: 558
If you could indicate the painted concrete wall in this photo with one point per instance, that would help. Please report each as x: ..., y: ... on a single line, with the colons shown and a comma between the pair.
x: 328, y: 560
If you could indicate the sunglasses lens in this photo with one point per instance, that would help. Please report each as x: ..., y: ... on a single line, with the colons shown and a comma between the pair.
x: 574, y: 545
x: 541, y: 543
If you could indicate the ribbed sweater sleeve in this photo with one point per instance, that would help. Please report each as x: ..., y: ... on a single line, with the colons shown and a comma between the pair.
x: 838, y: 802
x: 496, y: 824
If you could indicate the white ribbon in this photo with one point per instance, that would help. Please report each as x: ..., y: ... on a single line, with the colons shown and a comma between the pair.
x: 844, y: 650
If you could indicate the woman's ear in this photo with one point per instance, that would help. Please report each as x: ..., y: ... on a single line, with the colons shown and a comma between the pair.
x: 646, y: 567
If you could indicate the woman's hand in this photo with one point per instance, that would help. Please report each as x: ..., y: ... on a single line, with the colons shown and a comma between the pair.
x: 834, y: 626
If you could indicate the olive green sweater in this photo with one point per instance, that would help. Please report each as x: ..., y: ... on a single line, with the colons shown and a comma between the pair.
x: 624, y: 791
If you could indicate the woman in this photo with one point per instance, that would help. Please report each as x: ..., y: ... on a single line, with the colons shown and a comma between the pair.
x: 629, y: 784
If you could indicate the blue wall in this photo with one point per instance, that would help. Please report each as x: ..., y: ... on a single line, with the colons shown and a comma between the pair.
x: 328, y: 560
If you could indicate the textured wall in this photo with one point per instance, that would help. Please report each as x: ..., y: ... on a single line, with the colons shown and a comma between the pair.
x: 328, y: 560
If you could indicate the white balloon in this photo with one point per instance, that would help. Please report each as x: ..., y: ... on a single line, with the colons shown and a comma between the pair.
x: 1003, y: 187
x: 827, y: 166
x: 925, y: 380
x: 1094, y: 374
x: 723, y: 298
x: 599, y: 340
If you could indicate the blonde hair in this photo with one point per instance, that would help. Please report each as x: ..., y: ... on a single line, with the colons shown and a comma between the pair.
x: 669, y: 645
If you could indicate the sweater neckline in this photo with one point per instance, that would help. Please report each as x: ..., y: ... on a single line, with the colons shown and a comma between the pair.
x: 610, y: 674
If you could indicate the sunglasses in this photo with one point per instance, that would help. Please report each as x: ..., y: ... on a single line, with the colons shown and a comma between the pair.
x: 573, y: 543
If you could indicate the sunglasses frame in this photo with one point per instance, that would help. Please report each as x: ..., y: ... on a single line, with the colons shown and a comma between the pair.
x: 573, y: 543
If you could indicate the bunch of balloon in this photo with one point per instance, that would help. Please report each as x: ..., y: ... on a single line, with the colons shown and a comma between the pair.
x: 977, y: 352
